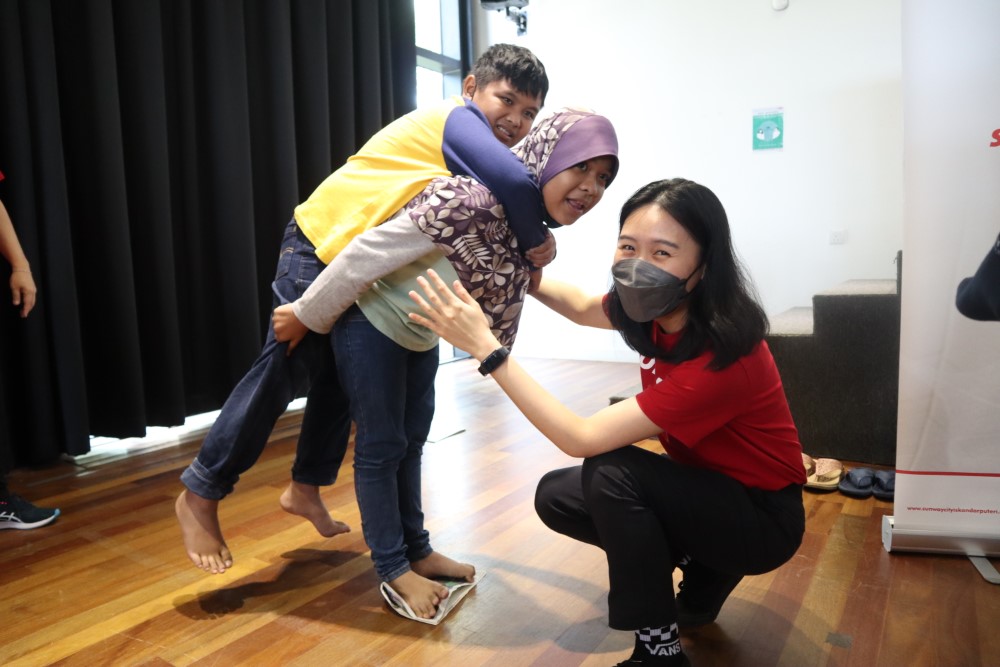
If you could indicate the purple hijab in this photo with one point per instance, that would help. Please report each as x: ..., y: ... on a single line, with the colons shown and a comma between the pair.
x: 470, y: 227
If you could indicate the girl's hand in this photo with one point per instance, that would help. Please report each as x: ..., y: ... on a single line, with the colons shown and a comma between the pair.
x: 287, y: 327
x: 453, y: 315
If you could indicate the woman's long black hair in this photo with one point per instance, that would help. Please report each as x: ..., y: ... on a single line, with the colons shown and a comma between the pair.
x: 724, y: 313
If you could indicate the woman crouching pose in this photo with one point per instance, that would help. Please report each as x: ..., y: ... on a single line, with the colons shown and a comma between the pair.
x: 725, y: 500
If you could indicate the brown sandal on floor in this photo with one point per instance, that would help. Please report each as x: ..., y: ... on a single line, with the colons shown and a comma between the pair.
x: 808, y: 463
x: 826, y: 474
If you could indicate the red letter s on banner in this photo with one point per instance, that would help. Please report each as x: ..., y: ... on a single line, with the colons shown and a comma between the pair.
x: 996, y: 139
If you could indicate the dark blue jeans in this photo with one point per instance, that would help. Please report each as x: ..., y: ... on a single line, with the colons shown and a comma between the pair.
x: 391, y: 394
x: 238, y: 436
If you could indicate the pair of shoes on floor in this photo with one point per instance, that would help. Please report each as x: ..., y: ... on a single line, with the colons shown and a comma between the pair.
x: 703, y: 591
x: 866, y: 482
x: 822, y: 475
x: 19, y: 514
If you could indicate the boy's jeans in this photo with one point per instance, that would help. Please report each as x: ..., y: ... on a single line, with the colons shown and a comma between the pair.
x: 391, y: 392
x: 239, y: 434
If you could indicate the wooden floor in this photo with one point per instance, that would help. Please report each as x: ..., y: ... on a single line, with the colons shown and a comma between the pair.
x: 109, y: 582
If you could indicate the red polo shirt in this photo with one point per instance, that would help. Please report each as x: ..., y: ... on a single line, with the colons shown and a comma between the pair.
x: 735, y: 421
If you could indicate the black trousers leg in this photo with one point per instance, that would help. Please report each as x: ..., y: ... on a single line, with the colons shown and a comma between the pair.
x: 647, y: 512
x: 559, y: 504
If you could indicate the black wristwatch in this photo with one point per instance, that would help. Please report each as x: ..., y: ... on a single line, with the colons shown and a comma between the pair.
x: 494, y: 360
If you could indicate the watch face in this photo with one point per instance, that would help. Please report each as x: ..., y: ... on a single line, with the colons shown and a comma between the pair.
x: 493, y: 361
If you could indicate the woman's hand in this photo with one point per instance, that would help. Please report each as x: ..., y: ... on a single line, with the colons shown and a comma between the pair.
x: 288, y: 327
x: 542, y: 255
x: 23, y: 290
x: 534, y: 281
x: 453, y: 315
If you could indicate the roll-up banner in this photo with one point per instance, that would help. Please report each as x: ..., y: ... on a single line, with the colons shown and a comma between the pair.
x: 947, y: 497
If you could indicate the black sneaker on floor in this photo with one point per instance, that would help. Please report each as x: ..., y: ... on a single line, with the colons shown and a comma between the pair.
x: 18, y: 513
x: 703, y: 591
x: 632, y: 662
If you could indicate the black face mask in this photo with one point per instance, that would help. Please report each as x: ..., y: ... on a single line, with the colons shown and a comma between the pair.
x: 647, y: 291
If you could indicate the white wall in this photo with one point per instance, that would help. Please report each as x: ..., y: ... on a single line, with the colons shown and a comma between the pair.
x: 680, y: 81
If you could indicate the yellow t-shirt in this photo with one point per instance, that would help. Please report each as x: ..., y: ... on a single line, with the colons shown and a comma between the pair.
x: 392, y: 168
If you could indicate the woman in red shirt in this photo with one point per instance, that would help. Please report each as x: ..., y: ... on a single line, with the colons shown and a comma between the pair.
x: 725, y: 500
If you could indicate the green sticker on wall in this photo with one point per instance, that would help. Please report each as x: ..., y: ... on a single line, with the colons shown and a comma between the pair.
x: 768, y: 128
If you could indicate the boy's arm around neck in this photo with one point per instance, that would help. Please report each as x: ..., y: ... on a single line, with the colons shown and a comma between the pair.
x: 471, y: 149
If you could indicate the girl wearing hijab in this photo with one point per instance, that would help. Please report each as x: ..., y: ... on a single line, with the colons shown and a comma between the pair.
x: 725, y: 499
x: 387, y: 363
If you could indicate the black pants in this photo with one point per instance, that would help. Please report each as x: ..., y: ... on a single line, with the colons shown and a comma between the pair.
x: 648, y: 512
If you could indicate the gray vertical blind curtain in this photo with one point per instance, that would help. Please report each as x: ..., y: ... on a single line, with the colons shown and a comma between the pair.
x: 154, y: 151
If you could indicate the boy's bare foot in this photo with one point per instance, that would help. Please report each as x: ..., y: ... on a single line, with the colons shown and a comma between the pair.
x: 423, y: 595
x: 439, y: 566
x: 199, y: 519
x: 304, y: 500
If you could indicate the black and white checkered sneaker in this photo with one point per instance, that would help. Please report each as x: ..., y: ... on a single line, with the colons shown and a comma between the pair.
x: 19, y: 514
x: 634, y: 662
